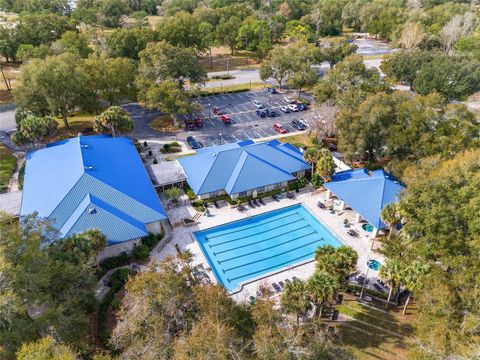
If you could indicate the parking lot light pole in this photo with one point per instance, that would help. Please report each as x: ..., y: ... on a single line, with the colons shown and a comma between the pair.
x: 209, y: 108
x: 220, y: 136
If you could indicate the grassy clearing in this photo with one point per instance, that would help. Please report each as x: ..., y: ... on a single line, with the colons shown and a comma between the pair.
x: 173, y: 157
x: 365, y: 340
x: 164, y: 123
x: 232, y: 88
x: 7, y: 167
x: 302, y: 140
x: 79, y: 123
x: 242, y: 59
x: 373, y: 57
x: 153, y: 20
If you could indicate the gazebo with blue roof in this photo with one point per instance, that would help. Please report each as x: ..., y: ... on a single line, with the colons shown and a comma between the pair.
x: 366, y: 192
x: 93, y: 182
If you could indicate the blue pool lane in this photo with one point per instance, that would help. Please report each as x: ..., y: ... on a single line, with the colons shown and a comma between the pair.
x: 246, y: 249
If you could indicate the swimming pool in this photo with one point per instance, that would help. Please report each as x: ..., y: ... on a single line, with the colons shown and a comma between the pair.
x: 246, y: 249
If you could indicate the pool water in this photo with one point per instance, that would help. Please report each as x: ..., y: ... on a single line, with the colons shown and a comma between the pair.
x: 250, y: 248
x: 367, y: 227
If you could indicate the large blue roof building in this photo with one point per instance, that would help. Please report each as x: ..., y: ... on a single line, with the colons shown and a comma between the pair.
x: 92, y: 182
x: 366, y: 192
x: 242, y: 168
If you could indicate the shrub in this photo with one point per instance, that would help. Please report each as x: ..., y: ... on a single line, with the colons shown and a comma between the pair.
x: 21, y: 176
x: 112, y: 263
x: 116, y: 303
x: 174, y: 143
x: 155, y: 161
x: 145, y: 144
x: 150, y: 153
x: 141, y: 252
x: 166, y: 146
x: 117, y: 280
x: 189, y: 192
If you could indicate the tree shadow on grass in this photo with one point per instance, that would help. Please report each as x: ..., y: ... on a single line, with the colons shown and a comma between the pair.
x: 375, y: 333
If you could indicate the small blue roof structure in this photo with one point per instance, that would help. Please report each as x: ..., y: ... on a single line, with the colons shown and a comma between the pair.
x: 242, y: 166
x: 366, y: 192
x: 91, y: 182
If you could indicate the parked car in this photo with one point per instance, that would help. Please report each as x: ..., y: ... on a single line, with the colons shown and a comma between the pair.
x: 304, y: 122
x: 289, y: 99
x: 225, y: 119
x: 193, y: 143
x: 284, y: 109
x: 296, y: 124
x: 198, y: 122
x: 271, y: 90
x: 279, y: 128
x: 293, y: 107
x: 257, y: 104
x: 261, y: 113
x: 302, y: 107
x: 271, y: 112
x: 189, y: 124
x: 216, y: 110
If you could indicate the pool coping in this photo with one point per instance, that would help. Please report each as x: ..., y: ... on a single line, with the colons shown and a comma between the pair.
x: 267, y: 275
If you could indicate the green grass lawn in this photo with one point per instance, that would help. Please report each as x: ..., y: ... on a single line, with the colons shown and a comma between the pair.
x: 374, y: 333
x: 7, y: 166
x: 302, y: 140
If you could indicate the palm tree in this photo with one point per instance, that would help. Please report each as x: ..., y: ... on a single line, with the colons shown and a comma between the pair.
x: 411, y: 277
x: 325, y: 164
x: 391, y: 274
x: 390, y: 215
x: 295, y: 299
x: 322, y: 288
x: 311, y: 157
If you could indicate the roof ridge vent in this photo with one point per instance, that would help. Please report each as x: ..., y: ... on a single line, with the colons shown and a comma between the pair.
x: 85, y: 146
x: 88, y: 167
x: 92, y: 210
x: 214, y: 154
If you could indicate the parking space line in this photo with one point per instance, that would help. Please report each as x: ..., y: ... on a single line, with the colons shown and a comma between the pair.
x: 248, y: 137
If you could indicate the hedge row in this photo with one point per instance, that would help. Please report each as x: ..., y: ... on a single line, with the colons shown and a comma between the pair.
x: 140, y: 253
x: 117, y: 280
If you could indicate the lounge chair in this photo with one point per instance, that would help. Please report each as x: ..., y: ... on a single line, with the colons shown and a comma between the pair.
x: 288, y: 281
x: 250, y: 203
x: 215, y: 204
x: 290, y: 195
x: 321, y: 205
x: 255, y: 202
x: 378, y: 287
x: 259, y: 293
x: 276, y: 287
x: 294, y: 278
x: 240, y: 208
x: 282, y: 285
x: 352, y: 232
x: 260, y: 200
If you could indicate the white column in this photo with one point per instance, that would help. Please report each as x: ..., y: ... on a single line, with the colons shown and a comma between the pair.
x: 374, y: 232
x: 329, y: 194
x: 357, y: 218
x: 342, y: 205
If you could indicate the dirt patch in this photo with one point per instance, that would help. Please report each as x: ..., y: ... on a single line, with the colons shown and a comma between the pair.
x: 222, y: 60
x: 164, y: 123
x: 6, y: 97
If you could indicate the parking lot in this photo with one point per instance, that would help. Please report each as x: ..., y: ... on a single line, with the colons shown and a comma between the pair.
x: 245, y: 123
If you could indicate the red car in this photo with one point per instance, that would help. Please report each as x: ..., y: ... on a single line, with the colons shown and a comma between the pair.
x: 225, y: 119
x: 199, y: 122
x: 279, y: 128
x: 216, y: 110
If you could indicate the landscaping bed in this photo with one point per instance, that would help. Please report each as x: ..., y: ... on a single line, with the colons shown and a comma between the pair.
x: 8, y: 163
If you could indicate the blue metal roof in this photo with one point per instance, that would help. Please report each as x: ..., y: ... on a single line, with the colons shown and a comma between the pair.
x: 366, y: 192
x: 69, y: 178
x: 242, y: 166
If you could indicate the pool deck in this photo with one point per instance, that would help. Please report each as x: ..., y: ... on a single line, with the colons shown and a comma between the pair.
x: 184, y: 238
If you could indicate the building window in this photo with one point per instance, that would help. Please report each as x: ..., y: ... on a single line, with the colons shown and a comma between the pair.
x: 242, y: 194
x: 261, y: 189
